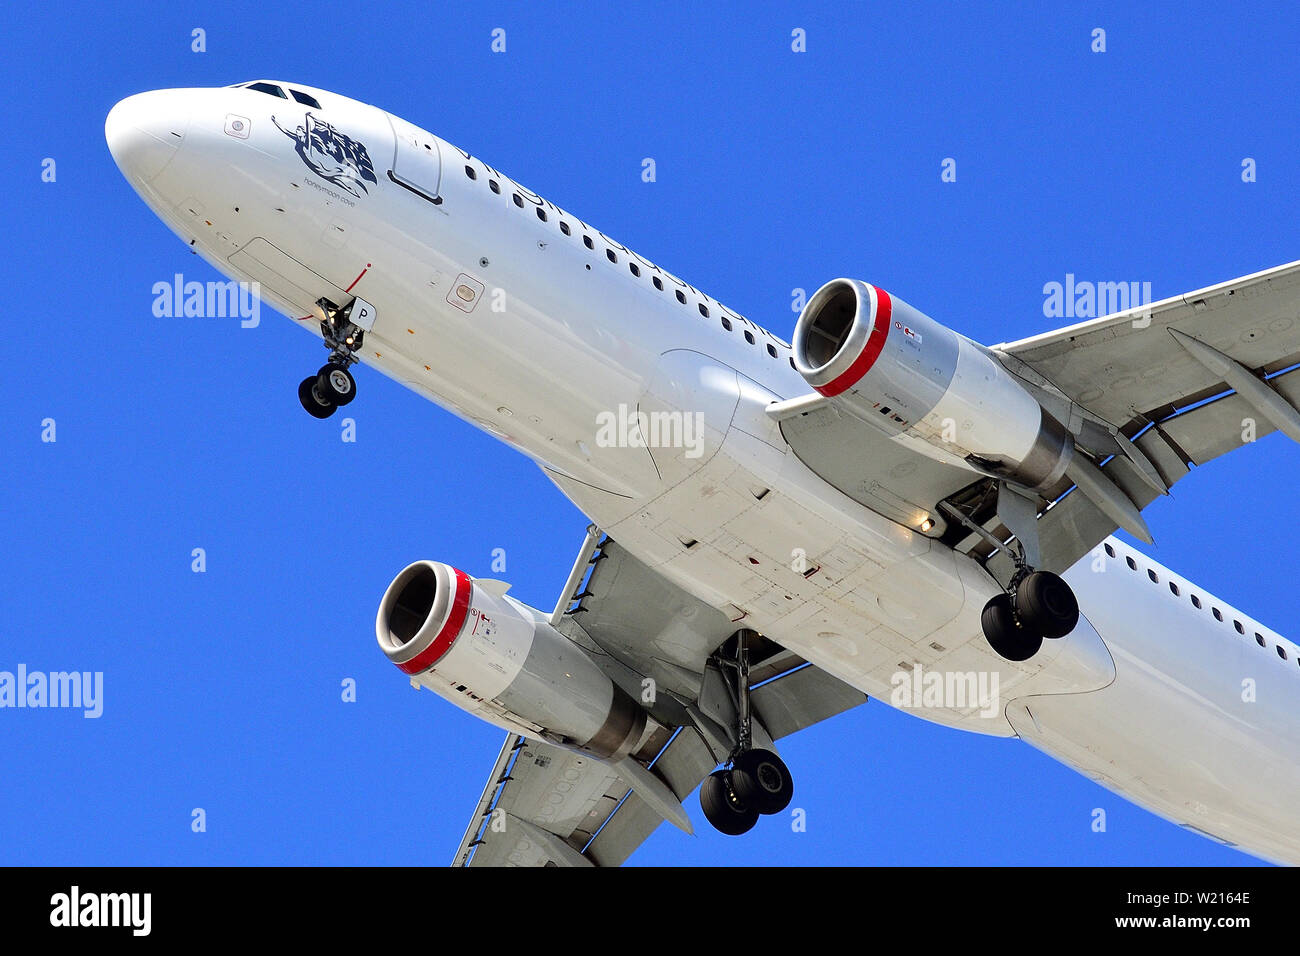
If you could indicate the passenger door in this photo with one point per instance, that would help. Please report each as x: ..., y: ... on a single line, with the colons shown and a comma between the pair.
x: 416, y: 161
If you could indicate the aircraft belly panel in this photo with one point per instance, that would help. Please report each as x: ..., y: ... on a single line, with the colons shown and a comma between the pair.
x: 869, y: 601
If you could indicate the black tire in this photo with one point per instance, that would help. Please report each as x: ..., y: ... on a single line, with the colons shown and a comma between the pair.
x: 336, y: 384
x: 721, y: 806
x: 762, y: 781
x: 1008, y: 639
x: 311, y: 401
x: 1047, y: 605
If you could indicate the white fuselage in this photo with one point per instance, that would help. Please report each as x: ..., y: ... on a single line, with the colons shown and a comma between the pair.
x: 524, y: 320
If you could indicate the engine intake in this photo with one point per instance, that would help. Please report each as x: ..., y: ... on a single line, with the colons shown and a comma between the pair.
x: 421, y: 614
x: 846, y: 326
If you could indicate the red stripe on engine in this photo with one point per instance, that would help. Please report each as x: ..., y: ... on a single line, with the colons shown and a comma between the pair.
x: 870, y: 352
x: 447, y: 635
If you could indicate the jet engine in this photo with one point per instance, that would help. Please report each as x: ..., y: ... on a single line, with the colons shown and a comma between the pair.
x: 902, y: 372
x: 503, y: 661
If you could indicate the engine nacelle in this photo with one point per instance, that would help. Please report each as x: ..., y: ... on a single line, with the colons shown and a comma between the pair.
x: 899, y: 370
x: 503, y: 661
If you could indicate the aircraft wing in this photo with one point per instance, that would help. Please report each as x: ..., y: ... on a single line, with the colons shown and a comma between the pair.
x: 1149, y: 393
x: 1129, y: 370
x: 1175, y: 404
x: 546, y: 806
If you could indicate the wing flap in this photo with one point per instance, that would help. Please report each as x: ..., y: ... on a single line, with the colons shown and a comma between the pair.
x: 545, y: 787
x: 682, y: 764
x: 800, y: 699
x: 1226, y: 424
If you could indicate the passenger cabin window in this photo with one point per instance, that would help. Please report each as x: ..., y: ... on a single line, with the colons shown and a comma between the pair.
x: 1281, y: 652
x: 306, y: 100
x: 1110, y: 551
x: 1240, y: 629
x: 472, y: 174
x: 1133, y: 565
x: 1174, y: 588
x: 269, y: 88
x: 1218, y: 615
x: 1152, y: 575
x: 1259, y: 639
x: 1196, y: 602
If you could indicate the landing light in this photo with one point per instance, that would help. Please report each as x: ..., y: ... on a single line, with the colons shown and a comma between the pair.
x: 927, y: 524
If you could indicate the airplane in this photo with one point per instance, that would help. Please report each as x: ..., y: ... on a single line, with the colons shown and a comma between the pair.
x: 779, y: 531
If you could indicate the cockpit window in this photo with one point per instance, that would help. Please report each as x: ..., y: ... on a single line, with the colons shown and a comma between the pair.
x: 305, y: 100
x: 270, y: 88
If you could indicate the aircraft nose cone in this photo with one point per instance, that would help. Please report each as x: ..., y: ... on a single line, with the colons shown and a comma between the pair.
x: 145, y: 131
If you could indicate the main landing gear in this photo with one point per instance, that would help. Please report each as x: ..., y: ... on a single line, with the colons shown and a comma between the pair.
x: 333, y: 386
x: 1036, y: 605
x: 757, y: 781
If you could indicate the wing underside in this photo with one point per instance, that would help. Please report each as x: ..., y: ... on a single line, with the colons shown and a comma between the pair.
x: 547, y: 806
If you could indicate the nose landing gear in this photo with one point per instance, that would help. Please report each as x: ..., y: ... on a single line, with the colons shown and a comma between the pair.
x: 333, y: 386
x: 329, y: 389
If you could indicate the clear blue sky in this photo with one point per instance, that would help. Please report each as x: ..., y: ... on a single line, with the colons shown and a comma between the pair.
x: 776, y: 170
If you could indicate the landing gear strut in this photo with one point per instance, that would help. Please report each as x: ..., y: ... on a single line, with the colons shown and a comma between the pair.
x: 757, y: 782
x: 1036, y: 605
x: 333, y: 386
